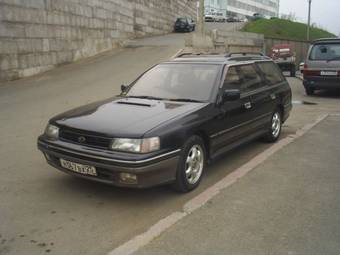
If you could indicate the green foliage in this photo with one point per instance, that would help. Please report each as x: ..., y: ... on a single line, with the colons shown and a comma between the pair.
x: 281, y: 28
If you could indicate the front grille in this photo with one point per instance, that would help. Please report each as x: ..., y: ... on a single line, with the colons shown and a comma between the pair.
x: 85, y: 139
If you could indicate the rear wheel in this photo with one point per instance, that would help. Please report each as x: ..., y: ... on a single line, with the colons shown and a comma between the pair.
x: 275, y: 127
x: 191, y: 165
x: 292, y: 71
x: 309, y: 91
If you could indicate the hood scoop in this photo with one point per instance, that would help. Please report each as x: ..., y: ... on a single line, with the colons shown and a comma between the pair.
x: 134, y: 103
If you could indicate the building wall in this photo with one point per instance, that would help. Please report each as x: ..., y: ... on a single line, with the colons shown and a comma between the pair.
x: 37, y: 35
x: 216, y: 6
x: 249, y: 7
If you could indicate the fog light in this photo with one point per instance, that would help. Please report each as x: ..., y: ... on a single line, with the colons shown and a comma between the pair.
x: 128, y: 178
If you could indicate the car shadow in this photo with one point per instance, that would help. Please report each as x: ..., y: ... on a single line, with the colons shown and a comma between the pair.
x: 333, y: 94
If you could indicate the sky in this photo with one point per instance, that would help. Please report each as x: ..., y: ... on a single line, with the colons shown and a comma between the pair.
x: 325, y: 13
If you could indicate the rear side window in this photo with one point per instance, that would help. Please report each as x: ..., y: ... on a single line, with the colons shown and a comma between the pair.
x: 251, y: 80
x: 271, y: 73
x: 330, y: 51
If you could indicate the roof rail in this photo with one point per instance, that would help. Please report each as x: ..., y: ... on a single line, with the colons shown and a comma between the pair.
x: 196, y: 54
x: 245, y: 54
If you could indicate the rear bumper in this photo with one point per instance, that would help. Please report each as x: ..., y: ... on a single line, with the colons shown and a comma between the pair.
x: 321, y: 82
x: 151, y: 172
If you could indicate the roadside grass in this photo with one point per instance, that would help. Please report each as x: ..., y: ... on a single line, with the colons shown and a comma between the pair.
x: 285, y: 29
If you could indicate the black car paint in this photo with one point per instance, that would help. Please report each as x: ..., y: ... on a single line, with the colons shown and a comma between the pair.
x: 222, y: 125
x: 184, y: 26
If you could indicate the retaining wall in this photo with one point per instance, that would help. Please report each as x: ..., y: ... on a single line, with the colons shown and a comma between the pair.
x: 37, y: 35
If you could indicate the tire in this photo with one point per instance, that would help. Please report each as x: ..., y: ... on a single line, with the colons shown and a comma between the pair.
x: 193, y: 157
x: 309, y: 91
x: 292, y: 71
x: 275, y: 127
x: 193, y: 28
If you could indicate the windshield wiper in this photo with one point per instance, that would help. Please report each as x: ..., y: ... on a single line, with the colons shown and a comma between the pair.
x: 333, y: 59
x: 185, y: 100
x: 146, y: 97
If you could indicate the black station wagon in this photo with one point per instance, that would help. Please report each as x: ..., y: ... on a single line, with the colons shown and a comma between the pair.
x: 171, y: 121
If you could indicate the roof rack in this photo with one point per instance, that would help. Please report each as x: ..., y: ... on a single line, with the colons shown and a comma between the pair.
x: 327, y: 39
x: 245, y: 54
x: 197, y: 54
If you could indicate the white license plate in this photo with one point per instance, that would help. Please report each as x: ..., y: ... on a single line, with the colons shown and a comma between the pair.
x: 329, y: 73
x: 78, y: 168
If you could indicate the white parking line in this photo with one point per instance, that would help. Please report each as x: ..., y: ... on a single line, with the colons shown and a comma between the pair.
x: 195, y: 203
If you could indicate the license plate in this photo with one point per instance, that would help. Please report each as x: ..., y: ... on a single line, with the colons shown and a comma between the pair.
x: 329, y: 73
x: 78, y: 168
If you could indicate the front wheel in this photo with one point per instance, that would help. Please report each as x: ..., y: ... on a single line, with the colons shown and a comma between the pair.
x: 274, y: 130
x: 191, y: 165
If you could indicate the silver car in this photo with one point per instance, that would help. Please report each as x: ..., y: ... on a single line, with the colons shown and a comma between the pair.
x: 322, y: 65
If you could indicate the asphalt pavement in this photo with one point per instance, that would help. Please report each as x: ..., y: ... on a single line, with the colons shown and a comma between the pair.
x: 43, y: 211
x: 290, y: 204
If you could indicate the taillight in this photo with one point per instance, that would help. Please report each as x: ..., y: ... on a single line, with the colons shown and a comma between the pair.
x: 307, y: 72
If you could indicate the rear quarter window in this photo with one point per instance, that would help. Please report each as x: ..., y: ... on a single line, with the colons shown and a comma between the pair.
x: 271, y: 73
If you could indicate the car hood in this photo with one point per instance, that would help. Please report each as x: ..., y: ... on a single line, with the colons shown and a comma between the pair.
x: 124, y: 117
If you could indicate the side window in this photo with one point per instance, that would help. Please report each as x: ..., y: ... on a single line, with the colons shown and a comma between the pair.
x: 251, y: 79
x: 232, y: 80
x: 271, y: 73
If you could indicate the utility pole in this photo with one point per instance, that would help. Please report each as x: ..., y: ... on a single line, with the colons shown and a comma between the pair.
x: 201, y: 17
x: 309, y: 13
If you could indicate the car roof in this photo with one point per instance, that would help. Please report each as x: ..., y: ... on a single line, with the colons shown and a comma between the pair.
x: 220, y: 59
x: 326, y: 40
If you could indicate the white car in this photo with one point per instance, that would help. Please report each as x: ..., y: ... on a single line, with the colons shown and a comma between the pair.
x: 219, y: 17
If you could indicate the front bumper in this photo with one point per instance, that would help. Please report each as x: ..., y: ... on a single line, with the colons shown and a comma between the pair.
x: 324, y: 82
x: 150, y: 172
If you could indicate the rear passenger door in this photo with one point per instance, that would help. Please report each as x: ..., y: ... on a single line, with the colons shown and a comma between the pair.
x: 256, y: 89
x: 267, y: 97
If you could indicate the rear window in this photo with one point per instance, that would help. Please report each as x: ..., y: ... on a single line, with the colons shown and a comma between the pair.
x: 327, y: 51
x: 271, y: 73
x: 182, y: 20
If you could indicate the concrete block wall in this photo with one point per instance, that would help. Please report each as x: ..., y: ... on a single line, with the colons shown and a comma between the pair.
x: 37, y: 35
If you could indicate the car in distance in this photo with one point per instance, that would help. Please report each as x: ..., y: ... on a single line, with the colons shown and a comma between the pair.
x: 284, y: 56
x: 220, y: 17
x: 210, y: 17
x: 322, y: 66
x: 165, y: 126
x: 184, y: 24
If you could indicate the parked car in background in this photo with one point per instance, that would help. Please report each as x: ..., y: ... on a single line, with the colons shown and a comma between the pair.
x: 301, y: 67
x: 209, y: 17
x: 322, y: 65
x: 232, y: 19
x: 166, y: 125
x: 284, y: 57
x: 185, y: 24
x: 220, y: 17
x: 257, y: 16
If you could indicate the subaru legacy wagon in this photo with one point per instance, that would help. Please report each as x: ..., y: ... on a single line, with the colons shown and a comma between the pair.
x: 165, y: 126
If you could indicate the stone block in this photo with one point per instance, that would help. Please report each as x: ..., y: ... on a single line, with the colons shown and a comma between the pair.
x: 12, y: 30
x: 8, y: 62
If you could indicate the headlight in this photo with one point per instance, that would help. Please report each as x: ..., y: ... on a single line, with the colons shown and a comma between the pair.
x: 52, y: 132
x: 136, y: 145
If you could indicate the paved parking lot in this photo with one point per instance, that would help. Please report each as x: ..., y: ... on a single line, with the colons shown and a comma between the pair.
x: 45, y: 211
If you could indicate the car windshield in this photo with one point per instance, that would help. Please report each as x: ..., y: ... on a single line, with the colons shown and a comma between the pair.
x: 329, y: 51
x: 181, y: 20
x: 177, y: 81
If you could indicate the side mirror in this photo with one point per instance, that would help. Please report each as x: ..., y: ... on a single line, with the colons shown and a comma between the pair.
x: 124, y: 88
x: 231, y: 95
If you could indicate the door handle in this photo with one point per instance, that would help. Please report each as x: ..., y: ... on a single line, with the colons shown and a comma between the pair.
x: 247, y: 105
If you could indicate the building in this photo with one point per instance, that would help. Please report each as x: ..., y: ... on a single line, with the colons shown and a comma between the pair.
x: 212, y: 6
x: 244, y: 8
